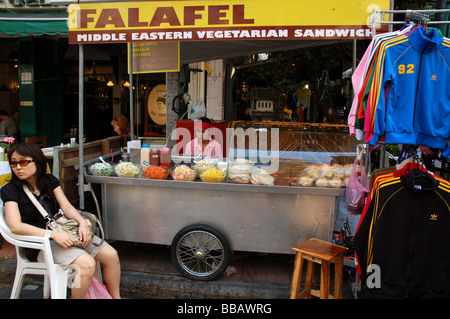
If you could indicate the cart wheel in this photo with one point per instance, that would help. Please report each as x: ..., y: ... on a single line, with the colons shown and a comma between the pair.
x: 200, y: 252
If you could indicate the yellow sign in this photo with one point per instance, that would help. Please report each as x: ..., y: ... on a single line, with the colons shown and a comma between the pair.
x: 220, y: 20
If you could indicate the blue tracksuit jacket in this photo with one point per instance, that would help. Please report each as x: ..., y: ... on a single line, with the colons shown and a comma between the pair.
x: 416, y: 107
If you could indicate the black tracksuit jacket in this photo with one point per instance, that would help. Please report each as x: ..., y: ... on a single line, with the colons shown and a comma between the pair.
x: 406, y: 232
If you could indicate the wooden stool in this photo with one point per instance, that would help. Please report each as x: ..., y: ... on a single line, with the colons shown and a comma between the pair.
x: 321, y: 252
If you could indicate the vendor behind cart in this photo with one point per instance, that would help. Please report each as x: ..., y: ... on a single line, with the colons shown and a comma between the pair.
x: 203, y: 143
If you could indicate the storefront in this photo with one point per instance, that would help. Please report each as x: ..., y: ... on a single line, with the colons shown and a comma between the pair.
x: 24, y: 38
x: 278, y: 185
x: 219, y: 31
x: 40, y: 76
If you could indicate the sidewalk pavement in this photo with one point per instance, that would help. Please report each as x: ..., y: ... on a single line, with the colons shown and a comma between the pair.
x: 148, y: 273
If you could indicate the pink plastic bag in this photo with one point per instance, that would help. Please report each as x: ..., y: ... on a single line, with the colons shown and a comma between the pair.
x: 357, y: 188
x: 97, y: 290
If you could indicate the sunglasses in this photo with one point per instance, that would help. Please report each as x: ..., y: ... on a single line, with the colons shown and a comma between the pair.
x: 22, y: 163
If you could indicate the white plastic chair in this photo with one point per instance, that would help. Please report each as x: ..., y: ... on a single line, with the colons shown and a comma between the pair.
x: 55, y: 277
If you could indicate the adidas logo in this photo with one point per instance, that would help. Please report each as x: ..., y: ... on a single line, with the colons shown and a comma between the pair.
x: 433, y: 217
x: 434, y: 77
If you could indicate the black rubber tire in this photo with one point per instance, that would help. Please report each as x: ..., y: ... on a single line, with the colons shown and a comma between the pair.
x: 200, y: 252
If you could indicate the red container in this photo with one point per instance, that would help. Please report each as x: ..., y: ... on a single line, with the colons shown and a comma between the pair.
x: 154, y: 157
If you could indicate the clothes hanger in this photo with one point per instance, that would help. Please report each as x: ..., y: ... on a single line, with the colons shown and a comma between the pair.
x: 421, y: 19
x: 421, y: 180
x: 420, y: 164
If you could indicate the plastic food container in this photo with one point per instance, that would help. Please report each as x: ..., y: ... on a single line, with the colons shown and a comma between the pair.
x: 213, y: 175
x: 101, y: 169
x: 201, y: 166
x: 183, y: 173
x: 155, y: 172
x: 127, y: 169
x: 164, y: 158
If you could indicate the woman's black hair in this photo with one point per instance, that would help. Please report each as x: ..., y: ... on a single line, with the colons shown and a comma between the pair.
x: 33, y: 151
x: 205, y: 120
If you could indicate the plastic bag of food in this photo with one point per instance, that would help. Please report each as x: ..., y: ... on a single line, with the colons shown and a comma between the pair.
x: 155, y: 172
x: 326, y: 171
x: 336, y: 182
x: 239, y: 178
x: 239, y: 173
x: 127, y: 169
x: 213, y: 175
x: 183, y: 173
x: 305, y: 180
x: 338, y: 171
x: 322, y: 182
x: 260, y: 176
x: 313, y: 171
x: 101, y: 169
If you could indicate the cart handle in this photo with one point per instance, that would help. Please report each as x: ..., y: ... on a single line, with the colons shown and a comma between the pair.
x: 94, y: 160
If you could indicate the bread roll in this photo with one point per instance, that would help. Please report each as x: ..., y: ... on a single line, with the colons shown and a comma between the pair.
x: 305, y: 180
x: 322, y: 182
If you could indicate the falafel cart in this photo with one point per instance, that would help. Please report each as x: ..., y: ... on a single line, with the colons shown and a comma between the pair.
x: 256, y: 208
x: 269, y: 218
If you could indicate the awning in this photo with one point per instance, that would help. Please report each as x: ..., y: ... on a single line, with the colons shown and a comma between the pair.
x: 22, y: 24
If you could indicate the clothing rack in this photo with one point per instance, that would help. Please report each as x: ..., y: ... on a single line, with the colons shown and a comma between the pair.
x: 378, y: 17
x: 385, y: 17
x: 418, y: 18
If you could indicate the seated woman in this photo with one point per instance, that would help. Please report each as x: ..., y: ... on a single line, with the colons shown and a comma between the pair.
x: 202, y: 143
x: 29, y: 167
x: 121, y: 125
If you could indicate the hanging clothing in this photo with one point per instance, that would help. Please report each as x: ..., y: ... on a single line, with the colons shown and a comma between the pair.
x: 402, y: 96
x: 360, y: 73
x: 404, y: 230
x: 365, y: 96
x: 416, y: 109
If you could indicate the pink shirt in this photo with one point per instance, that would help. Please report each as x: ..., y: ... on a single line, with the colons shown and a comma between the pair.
x: 213, y: 149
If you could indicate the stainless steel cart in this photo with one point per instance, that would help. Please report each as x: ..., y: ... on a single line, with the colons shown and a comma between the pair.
x: 204, y: 222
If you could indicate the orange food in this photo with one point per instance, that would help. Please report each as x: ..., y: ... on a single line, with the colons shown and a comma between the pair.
x: 156, y: 172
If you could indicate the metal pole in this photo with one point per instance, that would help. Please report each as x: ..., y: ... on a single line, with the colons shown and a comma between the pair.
x: 80, y: 123
x: 137, y: 104
x: 130, y: 70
